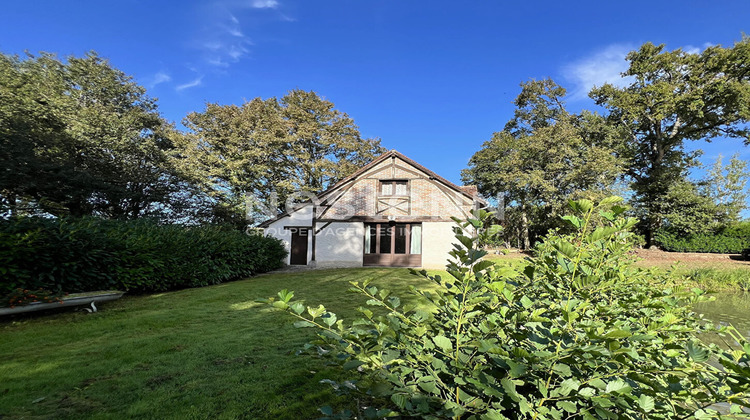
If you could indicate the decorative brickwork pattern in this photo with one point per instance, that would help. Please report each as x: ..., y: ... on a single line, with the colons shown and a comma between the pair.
x: 427, y: 197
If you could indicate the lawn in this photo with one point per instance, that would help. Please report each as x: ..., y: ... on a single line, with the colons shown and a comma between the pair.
x: 211, y: 352
x: 202, y: 353
x: 713, y: 272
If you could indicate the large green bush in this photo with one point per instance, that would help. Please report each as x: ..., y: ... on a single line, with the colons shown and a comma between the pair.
x: 729, y: 239
x: 579, y: 334
x: 79, y: 255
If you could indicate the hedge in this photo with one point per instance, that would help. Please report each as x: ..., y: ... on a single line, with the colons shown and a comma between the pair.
x: 81, y: 255
x: 730, y: 239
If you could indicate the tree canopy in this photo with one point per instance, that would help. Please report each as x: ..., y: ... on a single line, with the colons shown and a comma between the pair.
x: 674, y: 97
x: 271, y: 148
x: 544, y: 156
x: 80, y: 137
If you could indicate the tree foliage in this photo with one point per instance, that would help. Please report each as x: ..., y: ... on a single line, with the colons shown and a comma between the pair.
x: 674, y: 97
x: 80, y: 137
x: 726, y: 185
x: 299, y: 143
x: 544, y: 156
x: 579, y: 334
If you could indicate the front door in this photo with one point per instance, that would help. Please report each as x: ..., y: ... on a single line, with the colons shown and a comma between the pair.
x: 298, y: 255
x: 393, y: 244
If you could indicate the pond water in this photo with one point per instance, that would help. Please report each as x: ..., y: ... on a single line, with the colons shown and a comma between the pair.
x: 728, y: 308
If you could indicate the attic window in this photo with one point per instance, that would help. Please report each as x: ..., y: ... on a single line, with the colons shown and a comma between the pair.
x: 391, y: 187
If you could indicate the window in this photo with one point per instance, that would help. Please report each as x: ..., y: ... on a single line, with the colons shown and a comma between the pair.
x: 394, y: 188
x: 385, y: 239
x: 399, y: 242
x: 371, y: 239
x: 400, y: 238
x: 416, y: 239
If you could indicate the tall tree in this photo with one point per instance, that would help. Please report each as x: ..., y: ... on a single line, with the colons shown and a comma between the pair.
x: 270, y: 148
x: 726, y: 185
x: 544, y: 156
x: 80, y: 137
x: 673, y: 97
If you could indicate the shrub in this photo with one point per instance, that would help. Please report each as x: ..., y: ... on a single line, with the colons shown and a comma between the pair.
x: 80, y: 255
x: 729, y: 239
x: 579, y: 334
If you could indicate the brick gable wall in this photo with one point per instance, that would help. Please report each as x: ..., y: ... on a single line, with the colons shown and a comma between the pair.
x: 428, y: 198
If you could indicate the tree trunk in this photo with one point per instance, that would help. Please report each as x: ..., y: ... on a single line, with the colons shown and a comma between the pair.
x: 525, y: 228
x: 13, y: 204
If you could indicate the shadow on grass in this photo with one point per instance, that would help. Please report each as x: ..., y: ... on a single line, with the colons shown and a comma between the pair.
x: 199, y: 353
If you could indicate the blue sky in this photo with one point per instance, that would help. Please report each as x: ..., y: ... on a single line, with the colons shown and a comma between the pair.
x: 432, y: 79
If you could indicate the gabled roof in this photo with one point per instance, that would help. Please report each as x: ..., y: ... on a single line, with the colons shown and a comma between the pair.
x: 468, y: 192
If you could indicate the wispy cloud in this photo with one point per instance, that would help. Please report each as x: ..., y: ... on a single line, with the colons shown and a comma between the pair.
x: 604, y: 66
x: 221, y: 40
x: 191, y: 84
x: 264, y: 4
x: 158, y: 78
x: 224, y: 42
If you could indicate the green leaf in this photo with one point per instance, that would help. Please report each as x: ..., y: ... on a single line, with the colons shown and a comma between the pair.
x: 280, y: 304
x: 696, y: 352
x: 646, y: 403
x: 429, y: 386
x: 618, y: 334
x: 568, y: 406
x: 482, y: 265
x: 297, y: 307
x: 285, y: 295
x: 574, y: 221
x: 566, y: 248
x: 329, y: 318
x: 443, y: 342
x: 611, y: 200
x: 399, y: 400
x: 465, y: 241
x: 352, y: 364
x: 316, y: 312
x: 617, y: 386
x: 493, y: 415
x: 561, y: 369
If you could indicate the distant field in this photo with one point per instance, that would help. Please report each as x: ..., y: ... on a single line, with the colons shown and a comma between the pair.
x: 710, y: 271
x: 661, y: 259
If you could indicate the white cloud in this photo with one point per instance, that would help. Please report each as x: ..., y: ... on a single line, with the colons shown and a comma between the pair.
x: 604, y: 66
x: 691, y: 49
x: 158, y: 78
x: 224, y: 42
x: 264, y: 4
x: 191, y: 84
x: 220, y: 39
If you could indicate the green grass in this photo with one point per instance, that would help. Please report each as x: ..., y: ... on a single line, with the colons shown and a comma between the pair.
x: 210, y: 352
x: 712, y: 277
x: 202, y: 353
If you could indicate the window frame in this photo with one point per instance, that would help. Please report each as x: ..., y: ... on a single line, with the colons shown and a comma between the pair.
x: 373, y: 242
x: 393, y: 183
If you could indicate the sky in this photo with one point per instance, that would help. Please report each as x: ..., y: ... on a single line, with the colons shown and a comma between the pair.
x: 432, y: 79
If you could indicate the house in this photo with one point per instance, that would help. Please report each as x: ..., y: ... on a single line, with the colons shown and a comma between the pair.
x: 391, y: 212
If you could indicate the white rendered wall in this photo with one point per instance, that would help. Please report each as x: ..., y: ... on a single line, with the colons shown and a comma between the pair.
x: 302, y: 218
x: 340, y: 244
x: 437, y: 241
